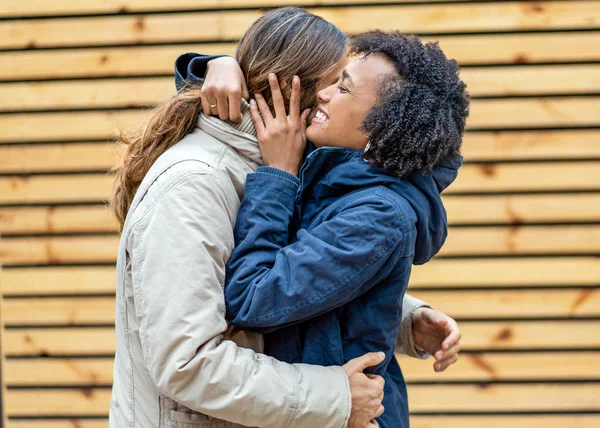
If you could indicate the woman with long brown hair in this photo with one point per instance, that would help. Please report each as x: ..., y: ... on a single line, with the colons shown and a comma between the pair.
x: 176, y: 198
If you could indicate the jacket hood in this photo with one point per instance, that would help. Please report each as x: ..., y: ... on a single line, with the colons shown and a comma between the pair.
x: 332, y: 172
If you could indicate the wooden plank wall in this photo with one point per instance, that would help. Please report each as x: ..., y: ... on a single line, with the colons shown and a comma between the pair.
x: 520, y: 271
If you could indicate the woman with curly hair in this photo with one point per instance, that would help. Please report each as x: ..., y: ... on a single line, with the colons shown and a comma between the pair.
x: 343, y: 230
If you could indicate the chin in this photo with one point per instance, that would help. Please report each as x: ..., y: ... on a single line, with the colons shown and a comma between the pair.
x: 313, y: 135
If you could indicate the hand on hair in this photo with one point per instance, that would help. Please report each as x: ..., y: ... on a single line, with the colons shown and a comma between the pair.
x: 282, y: 139
x: 437, y: 334
x: 223, y: 89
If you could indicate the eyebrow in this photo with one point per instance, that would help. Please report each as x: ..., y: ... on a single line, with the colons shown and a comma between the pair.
x: 345, y: 75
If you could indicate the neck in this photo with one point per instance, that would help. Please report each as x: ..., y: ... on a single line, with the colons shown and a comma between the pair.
x: 246, y: 124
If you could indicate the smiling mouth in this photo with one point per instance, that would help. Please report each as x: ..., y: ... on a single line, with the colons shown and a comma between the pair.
x: 320, y: 117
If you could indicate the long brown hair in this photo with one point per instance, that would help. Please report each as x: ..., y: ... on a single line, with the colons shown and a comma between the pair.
x: 287, y: 41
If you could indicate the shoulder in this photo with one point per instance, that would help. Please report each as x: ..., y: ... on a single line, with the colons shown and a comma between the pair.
x: 187, y: 186
x: 382, y: 203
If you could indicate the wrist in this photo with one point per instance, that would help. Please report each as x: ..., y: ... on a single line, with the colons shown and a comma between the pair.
x: 285, y: 168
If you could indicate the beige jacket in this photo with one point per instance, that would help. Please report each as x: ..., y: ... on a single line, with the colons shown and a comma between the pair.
x: 178, y: 363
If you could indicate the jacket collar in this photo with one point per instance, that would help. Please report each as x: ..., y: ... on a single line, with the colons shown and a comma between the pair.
x: 241, y: 137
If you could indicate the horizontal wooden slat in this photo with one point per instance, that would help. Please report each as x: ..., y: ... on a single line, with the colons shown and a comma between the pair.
x: 56, y: 188
x: 58, y: 280
x: 480, y: 367
x: 531, y: 112
x: 495, y: 421
x: 476, y: 398
x: 522, y: 240
x: 67, y: 7
x: 417, y: 421
x: 47, y: 402
x: 424, y: 398
x: 537, y: 80
x: 56, y: 219
x: 477, y: 146
x: 145, y: 91
x: 145, y: 60
x: 472, y: 178
x: 60, y: 341
x: 560, y: 335
x: 58, y: 157
x: 429, y: 18
x: 70, y: 423
x: 542, y: 176
x: 439, y: 273
x: 508, y: 113
x: 491, y: 304
x: 67, y: 311
x: 111, y: 93
x: 476, y: 335
x: 459, y: 304
x: 59, y: 371
x: 68, y: 125
x: 59, y: 250
x: 519, y: 145
x: 507, y: 272
x: 519, y: 209
x: 100, y: 62
x: 509, y: 209
x: 462, y: 241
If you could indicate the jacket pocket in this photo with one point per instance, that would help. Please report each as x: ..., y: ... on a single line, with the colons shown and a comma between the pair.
x: 175, y: 415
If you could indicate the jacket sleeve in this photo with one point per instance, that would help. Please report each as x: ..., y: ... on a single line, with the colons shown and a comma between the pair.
x: 191, y: 67
x: 271, y: 284
x: 405, y: 341
x: 179, y: 249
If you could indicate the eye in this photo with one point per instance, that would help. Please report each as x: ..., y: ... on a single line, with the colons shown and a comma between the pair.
x: 342, y: 88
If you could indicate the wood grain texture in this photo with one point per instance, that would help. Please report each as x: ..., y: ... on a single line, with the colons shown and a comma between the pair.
x: 147, y: 60
x: 524, y: 145
x: 139, y: 92
x: 425, y: 398
x: 463, y: 304
x: 507, y: 272
x: 57, y: 219
x: 82, y: 280
x: 59, y: 250
x: 476, y: 335
x: 417, y: 421
x: 501, y: 421
x: 513, y: 366
x: 570, y: 239
x: 182, y: 27
x: 485, y: 114
x: 479, y: 367
x: 59, y: 157
x: 489, y: 178
x: 67, y: 7
x: 461, y: 209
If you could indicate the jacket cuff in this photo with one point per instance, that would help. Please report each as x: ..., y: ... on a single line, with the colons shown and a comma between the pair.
x: 405, y: 342
x: 191, y: 68
x: 324, y: 398
x: 270, y: 178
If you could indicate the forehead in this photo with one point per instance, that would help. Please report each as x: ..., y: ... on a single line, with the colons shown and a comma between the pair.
x: 370, y: 69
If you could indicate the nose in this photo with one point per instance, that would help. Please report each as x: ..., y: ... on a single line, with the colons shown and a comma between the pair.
x: 324, y: 95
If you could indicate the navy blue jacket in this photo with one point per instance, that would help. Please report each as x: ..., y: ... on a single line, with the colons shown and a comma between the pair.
x: 322, y: 263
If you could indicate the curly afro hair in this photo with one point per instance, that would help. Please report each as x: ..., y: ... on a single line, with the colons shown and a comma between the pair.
x: 419, y: 118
